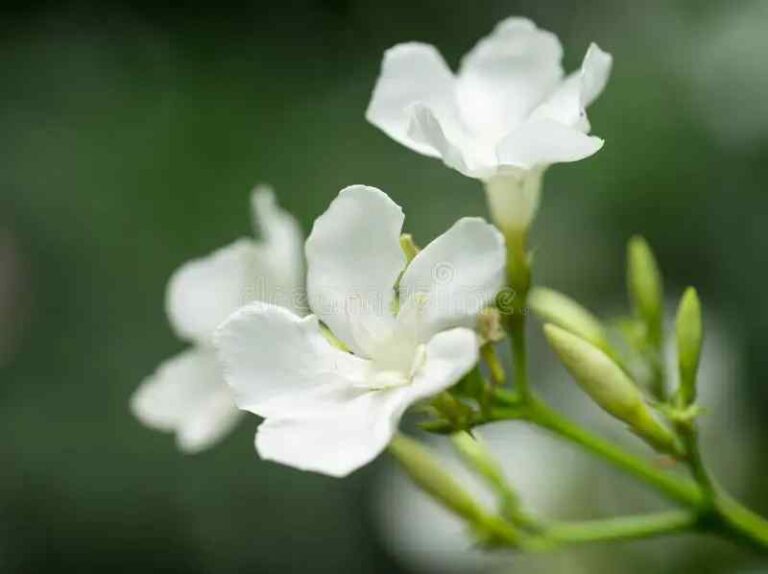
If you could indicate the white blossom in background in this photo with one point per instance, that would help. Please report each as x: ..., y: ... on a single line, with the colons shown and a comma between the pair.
x: 409, y: 331
x: 187, y: 394
x: 509, y: 112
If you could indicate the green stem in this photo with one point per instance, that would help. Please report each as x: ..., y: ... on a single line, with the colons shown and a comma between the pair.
x: 495, y: 368
x: 695, y: 462
x: 518, y: 285
x: 622, y: 528
x: 741, y: 524
x: 723, y: 514
x: 658, y: 384
x: 519, y: 354
x: 681, y: 491
x: 717, y: 511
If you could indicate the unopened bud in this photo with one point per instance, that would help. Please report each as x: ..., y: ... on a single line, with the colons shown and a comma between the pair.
x: 427, y: 472
x: 477, y: 456
x: 553, y: 307
x: 645, y: 285
x: 609, y: 386
x: 690, y: 335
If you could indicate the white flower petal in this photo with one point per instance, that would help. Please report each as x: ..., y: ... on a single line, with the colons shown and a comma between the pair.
x: 544, y: 142
x: 458, y: 150
x: 410, y: 73
x: 453, y: 278
x: 206, y: 426
x: 449, y: 356
x: 343, y: 437
x: 504, y: 77
x: 278, y: 363
x: 203, y: 292
x: 187, y: 395
x: 353, y: 261
x: 282, y: 246
x: 595, y: 70
x: 567, y: 104
x: 320, y: 416
x: 336, y: 441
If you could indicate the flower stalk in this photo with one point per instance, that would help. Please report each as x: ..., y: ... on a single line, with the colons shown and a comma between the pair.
x: 622, y: 529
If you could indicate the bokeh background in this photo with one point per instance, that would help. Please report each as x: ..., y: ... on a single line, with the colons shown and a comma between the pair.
x: 131, y: 135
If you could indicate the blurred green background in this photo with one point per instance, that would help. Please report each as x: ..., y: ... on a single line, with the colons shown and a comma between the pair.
x: 132, y: 133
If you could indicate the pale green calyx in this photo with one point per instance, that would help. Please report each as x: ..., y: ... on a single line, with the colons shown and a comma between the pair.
x: 513, y: 198
x: 609, y: 386
x: 554, y: 307
x: 645, y: 285
x: 690, y: 335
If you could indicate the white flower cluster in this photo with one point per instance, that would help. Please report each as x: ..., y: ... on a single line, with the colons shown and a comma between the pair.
x: 332, y: 373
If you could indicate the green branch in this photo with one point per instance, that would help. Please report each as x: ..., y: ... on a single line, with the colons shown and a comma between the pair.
x: 621, y: 529
x: 681, y: 491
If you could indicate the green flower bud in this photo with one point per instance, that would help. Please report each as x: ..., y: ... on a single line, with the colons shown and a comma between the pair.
x: 476, y: 455
x: 645, y: 286
x: 427, y: 472
x: 609, y: 386
x: 690, y: 335
x: 478, y: 458
x: 558, y: 309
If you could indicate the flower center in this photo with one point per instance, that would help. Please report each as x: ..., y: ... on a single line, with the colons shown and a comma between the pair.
x: 396, y: 366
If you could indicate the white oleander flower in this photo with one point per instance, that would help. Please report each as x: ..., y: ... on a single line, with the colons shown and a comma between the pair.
x: 408, y: 330
x: 187, y: 394
x: 509, y: 112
